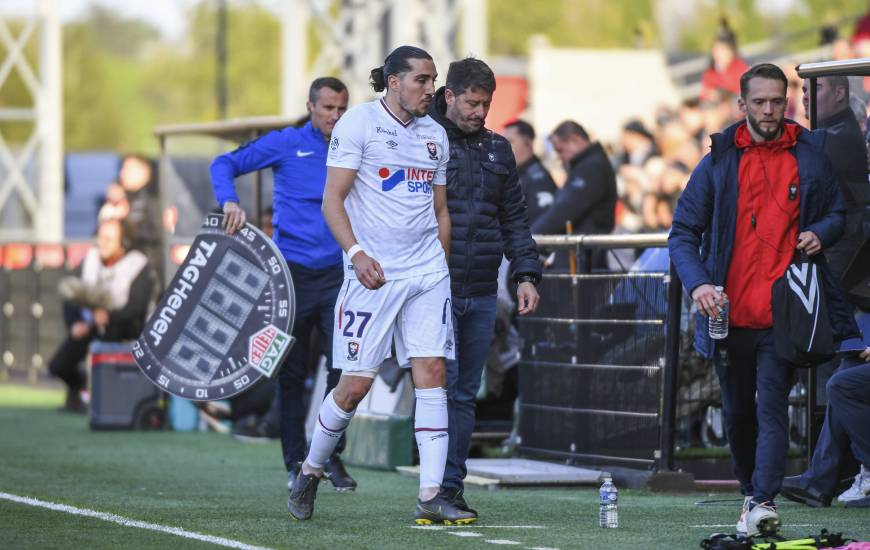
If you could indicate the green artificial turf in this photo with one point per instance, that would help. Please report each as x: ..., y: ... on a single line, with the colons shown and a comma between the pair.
x: 211, y: 484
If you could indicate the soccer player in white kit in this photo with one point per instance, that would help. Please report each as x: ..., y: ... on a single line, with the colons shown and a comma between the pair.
x: 386, y: 204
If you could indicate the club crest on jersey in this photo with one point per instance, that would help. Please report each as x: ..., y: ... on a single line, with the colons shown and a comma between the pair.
x: 352, y: 351
x: 334, y: 144
x: 433, y: 150
x: 419, y: 179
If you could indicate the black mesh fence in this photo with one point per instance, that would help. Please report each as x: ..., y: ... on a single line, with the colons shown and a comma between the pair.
x: 591, y: 375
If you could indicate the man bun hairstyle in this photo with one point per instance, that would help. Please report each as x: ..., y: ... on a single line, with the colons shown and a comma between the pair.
x: 395, y: 64
x: 470, y: 74
x: 762, y: 70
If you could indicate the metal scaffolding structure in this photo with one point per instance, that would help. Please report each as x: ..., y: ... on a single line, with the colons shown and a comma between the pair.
x: 31, y: 174
x: 354, y: 36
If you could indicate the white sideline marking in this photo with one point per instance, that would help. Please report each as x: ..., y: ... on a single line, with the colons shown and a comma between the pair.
x: 464, y: 534
x: 732, y: 525
x: 130, y: 522
x: 440, y: 527
x: 502, y: 541
x: 541, y: 548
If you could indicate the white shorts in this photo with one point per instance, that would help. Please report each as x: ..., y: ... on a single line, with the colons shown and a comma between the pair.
x: 415, y: 312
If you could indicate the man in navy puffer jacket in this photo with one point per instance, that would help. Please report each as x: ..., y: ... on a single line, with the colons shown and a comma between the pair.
x: 489, y: 220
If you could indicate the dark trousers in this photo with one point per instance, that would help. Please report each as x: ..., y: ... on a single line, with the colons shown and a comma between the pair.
x: 757, y: 428
x: 473, y: 328
x: 316, y: 292
x: 846, y: 431
x: 64, y: 364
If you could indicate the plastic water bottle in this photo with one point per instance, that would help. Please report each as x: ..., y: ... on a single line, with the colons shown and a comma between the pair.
x: 608, y: 514
x: 718, y: 326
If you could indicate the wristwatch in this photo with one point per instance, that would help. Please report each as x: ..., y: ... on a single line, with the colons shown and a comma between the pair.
x: 527, y: 279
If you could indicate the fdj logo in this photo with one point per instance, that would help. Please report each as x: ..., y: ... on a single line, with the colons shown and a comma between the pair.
x: 419, y: 179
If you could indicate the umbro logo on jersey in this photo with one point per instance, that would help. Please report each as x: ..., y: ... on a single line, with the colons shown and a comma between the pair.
x: 419, y: 179
x: 392, y: 144
x: 302, y: 154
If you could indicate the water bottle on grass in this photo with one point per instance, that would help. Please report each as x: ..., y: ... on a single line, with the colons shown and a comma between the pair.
x: 608, y: 514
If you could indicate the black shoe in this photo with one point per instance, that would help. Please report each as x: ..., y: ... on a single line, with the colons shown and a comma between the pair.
x: 334, y: 471
x: 795, y: 489
x: 456, y: 497
x: 301, y: 502
x: 439, y: 510
x: 292, y: 474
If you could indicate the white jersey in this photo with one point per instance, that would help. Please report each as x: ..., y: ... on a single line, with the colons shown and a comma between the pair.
x: 390, y: 204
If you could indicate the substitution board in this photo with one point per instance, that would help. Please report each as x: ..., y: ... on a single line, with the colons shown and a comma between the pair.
x: 224, y: 321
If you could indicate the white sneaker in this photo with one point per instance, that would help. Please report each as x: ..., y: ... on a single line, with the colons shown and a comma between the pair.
x: 859, y: 489
x: 762, y: 520
x: 741, y: 521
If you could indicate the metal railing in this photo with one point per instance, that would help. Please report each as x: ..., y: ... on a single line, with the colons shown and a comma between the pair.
x: 598, y: 370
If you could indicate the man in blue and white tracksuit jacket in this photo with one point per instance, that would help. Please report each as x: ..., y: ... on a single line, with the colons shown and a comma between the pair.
x: 297, y: 157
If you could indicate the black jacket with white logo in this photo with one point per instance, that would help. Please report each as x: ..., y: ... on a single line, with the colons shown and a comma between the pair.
x: 487, y: 210
x: 538, y: 187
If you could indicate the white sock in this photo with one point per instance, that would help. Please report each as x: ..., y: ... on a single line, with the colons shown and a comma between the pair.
x: 430, y: 431
x: 331, y: 422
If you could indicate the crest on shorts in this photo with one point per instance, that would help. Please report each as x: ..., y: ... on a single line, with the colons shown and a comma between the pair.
x: 433, y: 150
x: 352, y: 351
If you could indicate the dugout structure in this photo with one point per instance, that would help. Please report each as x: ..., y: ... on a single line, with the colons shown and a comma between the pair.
x: 185, y: 191
x: 818, y: 378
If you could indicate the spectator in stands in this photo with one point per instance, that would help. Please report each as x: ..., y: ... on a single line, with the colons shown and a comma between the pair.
x: 297, y: 158
x: 862, y: 29
x: 846, y: 150
x: 637, y: 144
x: 692, y: 119
x: 107, y: 300
x: 725, y: 65
x: 136, y: 176
x: 116, y: 206
x: 538, y: 186
x: 588, y: 198
x: 719, y: 112
x: 765, y: 189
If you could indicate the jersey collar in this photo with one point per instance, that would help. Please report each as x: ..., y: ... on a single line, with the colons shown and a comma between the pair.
x: 397, y: 119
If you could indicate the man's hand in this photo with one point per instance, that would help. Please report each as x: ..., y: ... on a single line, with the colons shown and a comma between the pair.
x: 101, y: 317
x: 708, y: 301
x: 809, y: 242
x: 865, y: 355
x: 234, y: 217
x: 79, y: 330
x: 527, y: 298
x: 368, y: 271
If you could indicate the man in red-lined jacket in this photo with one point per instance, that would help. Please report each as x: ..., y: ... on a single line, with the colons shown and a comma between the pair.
x: 765, y: 189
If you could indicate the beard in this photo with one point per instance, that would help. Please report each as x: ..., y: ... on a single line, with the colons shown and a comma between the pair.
x: 767, y: 135
x: 419, y: 110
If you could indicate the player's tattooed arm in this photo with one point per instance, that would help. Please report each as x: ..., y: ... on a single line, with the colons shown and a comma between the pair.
x: 338, y: 184
x: 442, y: 215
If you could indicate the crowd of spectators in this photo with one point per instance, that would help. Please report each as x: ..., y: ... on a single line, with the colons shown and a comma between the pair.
x: 653, y: 160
